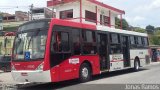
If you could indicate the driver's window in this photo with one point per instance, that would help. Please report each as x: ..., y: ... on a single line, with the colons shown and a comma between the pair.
x: 60, y: 42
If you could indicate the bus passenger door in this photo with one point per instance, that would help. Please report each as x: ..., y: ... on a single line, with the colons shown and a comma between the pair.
x: 61, y: 52
x: 126, y: 52
x: 103, y: 51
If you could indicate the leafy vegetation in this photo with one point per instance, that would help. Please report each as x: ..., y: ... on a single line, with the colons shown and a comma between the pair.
x: 125, y: 24
x: 155, y: 38
x: 150, y: 29
x: 141, y: 30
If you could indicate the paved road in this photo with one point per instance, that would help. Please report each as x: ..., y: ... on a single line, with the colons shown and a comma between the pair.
x: 147, y: 75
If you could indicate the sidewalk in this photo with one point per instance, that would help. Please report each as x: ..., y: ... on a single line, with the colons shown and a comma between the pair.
x: 6, y: 78
x: 154, y: 63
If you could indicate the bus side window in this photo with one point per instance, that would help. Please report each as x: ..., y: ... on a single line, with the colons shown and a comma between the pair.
x: 145, y: 43
x: 55, y: 42
x: 54, y: 45
x: 76, y: 41
x: 133, y: 41
x: 115, y: 43
x: 139, y: 41
x: 60, y: 42
x: 64, y: 42
x: 89, y: 42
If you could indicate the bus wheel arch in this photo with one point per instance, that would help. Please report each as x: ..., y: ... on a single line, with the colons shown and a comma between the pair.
x: 85, y: 71
x: 136, y: 63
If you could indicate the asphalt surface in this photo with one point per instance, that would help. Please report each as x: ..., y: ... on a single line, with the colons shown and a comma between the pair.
x: 112, y: 81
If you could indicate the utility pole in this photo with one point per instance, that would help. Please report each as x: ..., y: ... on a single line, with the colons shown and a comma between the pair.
x: 31, y: 9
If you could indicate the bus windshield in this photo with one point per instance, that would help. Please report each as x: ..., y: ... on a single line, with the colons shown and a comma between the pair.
x: 30, y: 45
x: 30, y: 40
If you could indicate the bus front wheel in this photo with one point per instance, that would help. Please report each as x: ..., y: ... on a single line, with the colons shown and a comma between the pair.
x: 85, y: 73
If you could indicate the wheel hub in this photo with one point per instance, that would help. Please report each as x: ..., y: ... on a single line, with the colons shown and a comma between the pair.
x: 85, y: 72
x: 137, y: 65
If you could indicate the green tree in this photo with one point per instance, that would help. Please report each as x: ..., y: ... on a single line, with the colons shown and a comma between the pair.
x: 150, y: 29
x: 125, y: 24
x: 138, y: 29
x: 157, y: 28
x: 1, y: 14
x: 155, y: 38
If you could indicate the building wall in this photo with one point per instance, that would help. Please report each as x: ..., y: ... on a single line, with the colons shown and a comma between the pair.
x: 9, y: 18
x: 1, y: 26
x: 88, y: 8
x: 2, y: 49
x: 113, y: 19
x: 21, y: 16
x: 6, y: 49
x: 74, y: 6
x: 47, y: 13
x: 100, y: 11
x: 9, y: 45
x: 85, y: 6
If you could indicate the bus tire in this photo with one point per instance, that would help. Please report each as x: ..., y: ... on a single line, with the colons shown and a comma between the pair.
x: 136, y: 65
x: 84, y: 73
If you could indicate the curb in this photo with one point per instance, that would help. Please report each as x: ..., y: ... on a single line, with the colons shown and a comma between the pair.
x: 154, y: 63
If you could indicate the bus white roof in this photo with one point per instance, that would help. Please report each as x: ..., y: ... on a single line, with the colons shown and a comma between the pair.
x: 105, y: 28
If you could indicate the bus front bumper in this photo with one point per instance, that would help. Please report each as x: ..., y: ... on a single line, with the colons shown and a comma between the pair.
x: 31, y: 76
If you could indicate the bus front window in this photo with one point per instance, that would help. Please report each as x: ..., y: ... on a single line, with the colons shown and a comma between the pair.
x: 32, y: 42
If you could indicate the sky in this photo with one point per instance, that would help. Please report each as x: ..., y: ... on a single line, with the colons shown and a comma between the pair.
x: 139, y: 13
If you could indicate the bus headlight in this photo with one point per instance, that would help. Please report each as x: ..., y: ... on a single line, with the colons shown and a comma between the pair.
x: 40, y: 67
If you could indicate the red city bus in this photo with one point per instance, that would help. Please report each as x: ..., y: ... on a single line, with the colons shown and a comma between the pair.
x: 53, y: 50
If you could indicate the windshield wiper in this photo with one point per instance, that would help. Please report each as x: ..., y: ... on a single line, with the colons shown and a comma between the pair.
x: 32, y: 37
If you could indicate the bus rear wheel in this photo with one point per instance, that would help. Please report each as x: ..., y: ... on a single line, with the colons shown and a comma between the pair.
x: 85, y: 73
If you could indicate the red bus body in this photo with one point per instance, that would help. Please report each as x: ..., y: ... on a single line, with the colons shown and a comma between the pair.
x: 61, y: 72
x: 30, y: 71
